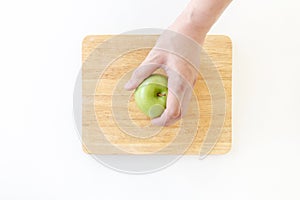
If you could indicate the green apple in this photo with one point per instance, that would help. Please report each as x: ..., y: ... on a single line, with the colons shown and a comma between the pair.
x: 151, y: 95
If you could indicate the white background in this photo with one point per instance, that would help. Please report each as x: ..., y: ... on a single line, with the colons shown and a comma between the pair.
x: 41, y: 156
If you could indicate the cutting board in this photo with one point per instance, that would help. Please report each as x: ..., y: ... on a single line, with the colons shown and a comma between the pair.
x: 101, y: 134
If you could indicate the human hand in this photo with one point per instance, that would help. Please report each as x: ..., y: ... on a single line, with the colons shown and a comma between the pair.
x: 193, y: 23
x: 182, y: 76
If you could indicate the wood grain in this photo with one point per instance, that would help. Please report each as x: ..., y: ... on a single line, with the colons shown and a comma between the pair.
x: 101, y: 134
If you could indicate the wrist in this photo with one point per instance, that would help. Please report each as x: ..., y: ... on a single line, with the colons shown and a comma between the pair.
x: 198, y: 17
x: 188, y: 30
x: 188, y: 24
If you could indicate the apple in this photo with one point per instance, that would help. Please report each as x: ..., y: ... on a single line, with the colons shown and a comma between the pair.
x: 151, y: 95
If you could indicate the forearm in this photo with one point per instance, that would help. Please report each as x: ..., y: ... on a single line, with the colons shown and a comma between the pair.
x: 198, y: 17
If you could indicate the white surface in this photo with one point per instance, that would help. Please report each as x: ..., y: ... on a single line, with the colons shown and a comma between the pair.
x: 40, y: 153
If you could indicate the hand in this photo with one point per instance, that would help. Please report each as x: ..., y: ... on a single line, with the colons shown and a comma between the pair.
x: 181, y: 79
x: 194, y: 22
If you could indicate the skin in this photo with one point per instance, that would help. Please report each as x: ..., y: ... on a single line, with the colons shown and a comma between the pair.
x: 194, y: 22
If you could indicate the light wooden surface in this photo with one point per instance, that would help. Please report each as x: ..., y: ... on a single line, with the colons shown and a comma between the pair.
x: 100, y: 132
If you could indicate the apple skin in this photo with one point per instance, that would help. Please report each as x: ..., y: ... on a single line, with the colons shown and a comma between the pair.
x: 151, y: 95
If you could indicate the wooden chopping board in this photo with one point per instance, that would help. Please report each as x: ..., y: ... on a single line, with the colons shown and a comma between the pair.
x: 101, y: 133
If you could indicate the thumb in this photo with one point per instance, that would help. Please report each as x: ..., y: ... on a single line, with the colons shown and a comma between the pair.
x: 140, y: 74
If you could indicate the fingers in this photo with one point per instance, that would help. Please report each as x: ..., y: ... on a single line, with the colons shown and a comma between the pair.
x: 179, y: 94
x: 152, y: 62
x: 172, y: 112
x: 175, y: 109
x: 181, y: 78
